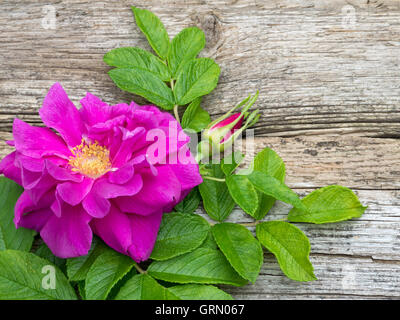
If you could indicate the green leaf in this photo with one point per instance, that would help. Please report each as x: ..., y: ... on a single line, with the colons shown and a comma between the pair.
x: 144, y: 287
x: 81, y: 289
x: 241, y: 249
x: 243, y: 192
x: 154, y: 31
x: 44, y: 252
x: 199, y: 292
x: 186, y: 45
x: 197, y: 78
x: 195, y: 117
x: 268, y: 162
x: 22, y: 274
x: 217, y: 200
x: 105, y: 272
x: 190, y: 203
x: 145, y: 84
x: 137, y: 58
x: 179, y: 233
x: 231, y: 162
x: 276, y: 189
x: 209, y: 242
x: 10, y: 237
x: 329, y: 204
x: 200, y: 266
x: 77, y: 268
x: 290, y: 246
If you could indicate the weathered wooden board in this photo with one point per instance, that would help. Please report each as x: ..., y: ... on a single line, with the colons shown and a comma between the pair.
x: 328, y: 73
x: 319, y: 70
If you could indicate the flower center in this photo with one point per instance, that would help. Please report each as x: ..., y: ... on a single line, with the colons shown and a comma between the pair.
x: 91, y: 160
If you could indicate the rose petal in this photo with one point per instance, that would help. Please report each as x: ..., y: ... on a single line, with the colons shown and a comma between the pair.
x: 9, y: 170
x: 144, y: 235
x: 69, y: 235
x: 59, y: 113
x: 95, y: 205
x: 109, y: 190
x: 114, y: 229
x: 74, y: 192
x: 37, y: 142
x: 157, y: 192
x: 122, y: 175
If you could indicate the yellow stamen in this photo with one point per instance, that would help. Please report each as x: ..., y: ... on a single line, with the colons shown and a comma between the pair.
x: 91, y: 160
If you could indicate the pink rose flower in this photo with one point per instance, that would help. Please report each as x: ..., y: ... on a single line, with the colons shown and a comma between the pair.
x: 96, y: 175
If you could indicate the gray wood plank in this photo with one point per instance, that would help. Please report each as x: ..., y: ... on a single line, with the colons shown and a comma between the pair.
x: 329, y: 89
x: 317, y: 73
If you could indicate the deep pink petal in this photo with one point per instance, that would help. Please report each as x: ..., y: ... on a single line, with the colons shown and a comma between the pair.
x: 122, y: 175
x: 25, y: 206
x: 109, y: 190
x: 37, y: 142
x: 59, y: 113
x: 74, y: 192
x: 29, y: 163
x: 9, y: 170
x: 127, y: 146
x: 144, y: 235
x: 94, y: 110
x: 30, y: 179
x: 157, y: 193
x: 188, y: 175
x: 62, y: 174
x: 36, y: 219
x: 45, y: 184
x: 96, y: 206
x: 114, y: 229
x: 69, y: 235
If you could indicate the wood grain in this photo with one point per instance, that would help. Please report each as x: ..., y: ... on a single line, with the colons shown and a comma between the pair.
x: 328, y: 74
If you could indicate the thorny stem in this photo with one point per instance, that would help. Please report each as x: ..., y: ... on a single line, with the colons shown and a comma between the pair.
x: 139, y: 269
x: 175, y: 106
x: 248, y: 224
x: 177, y: 114
x: 214, y: 179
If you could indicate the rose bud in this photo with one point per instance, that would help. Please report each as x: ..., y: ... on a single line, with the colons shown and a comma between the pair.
x: 223, y: 131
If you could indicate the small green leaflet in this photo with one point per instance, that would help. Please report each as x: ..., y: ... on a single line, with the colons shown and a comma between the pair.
x: 137, y: 58
x: 190, y: 203
x: 10, y: 237
x: 197, y: 78
x: 154, y: 31
x: 209, y: 242
x: 144, y: 287
x: 274, y: 188
x: 199, y: 292
x: 186, y: 45
x: 145, y: 84
x: 25, y: 276
x: 243, y: 192
x: 203, y: 265
x: 231, y: 162
x: 268, y: 162
x: 105, y: 272
x: 241, y: 249
x: 179, y: 233
x: 290, y: 246
x: 217, y: 200
x: 44, y: 252
x: 195, y: 117
x: 77, y: 268
x: 329, y: 204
